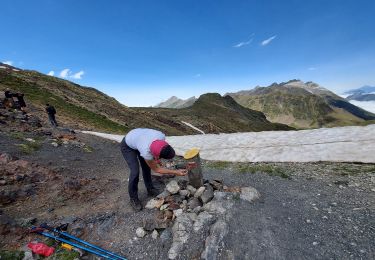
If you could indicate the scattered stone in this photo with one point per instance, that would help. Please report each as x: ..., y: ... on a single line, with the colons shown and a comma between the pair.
x: 334, y: 204
x: 184, y: 193
x: 217, y: 184
x: 193, y: 203
x: 183, y: 183
x: 140, y: 232
x: 26, y: 222
x: 173, y: 206
x: 163, y: 195
x: 173, y: 187
x: 164, y: 207
x: 28, y: 256
x: 208, y: 194
x: 3, y: 182
x: 203, y: 219
x: 193, y: 216
x: 78, y: 229
x: 177, y: 212
x: 315, y: 243
x: 154, y: 234
x: 168, y: 214
x: 154, y: 203
x: 156, y: 222
x: 249, y: 194
x: 217, y: 206
x: 191, y: 189
x: 5, y: 158
x: 308, y: 221
x: 232, y: 189
x: 199, y: 192
x: 197, y: 210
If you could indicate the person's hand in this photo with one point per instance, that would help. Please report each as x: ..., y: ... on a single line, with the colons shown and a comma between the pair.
x: 181, y: 172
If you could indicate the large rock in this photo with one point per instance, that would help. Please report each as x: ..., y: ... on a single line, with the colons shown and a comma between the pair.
x: 193, y: 203
x: 213, y: 243
x: 154, y: 203
x: 203, y: 219
x: 173, y: 187
x: 249, y: 194
x: 191, y: 189
x: 181, y: 234
x: 163, y: 195
x: 208, y: 194
x: 199, y: 192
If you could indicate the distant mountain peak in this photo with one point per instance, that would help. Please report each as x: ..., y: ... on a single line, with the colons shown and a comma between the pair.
x: 175, y: 102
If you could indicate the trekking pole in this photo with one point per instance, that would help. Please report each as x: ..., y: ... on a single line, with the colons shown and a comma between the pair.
x: 74, y: 244
x: 56, y: 230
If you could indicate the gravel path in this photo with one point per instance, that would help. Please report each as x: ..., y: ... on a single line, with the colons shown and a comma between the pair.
x: 306, y: 210
x: 316, y: 213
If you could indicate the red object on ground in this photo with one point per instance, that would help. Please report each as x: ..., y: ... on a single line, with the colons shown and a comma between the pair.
x: 41, y: 249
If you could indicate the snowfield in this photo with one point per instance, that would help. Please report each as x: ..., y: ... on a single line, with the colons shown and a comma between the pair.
x: 366, y: 105
x: 339, y: 144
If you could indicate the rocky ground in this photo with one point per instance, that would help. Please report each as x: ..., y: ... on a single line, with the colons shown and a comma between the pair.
x: 304, y: 210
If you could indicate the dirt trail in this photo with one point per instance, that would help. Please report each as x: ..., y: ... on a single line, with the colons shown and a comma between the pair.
x: 306, y: 210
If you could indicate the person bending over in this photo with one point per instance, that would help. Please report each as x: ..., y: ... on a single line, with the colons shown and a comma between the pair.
x: 145, y: 147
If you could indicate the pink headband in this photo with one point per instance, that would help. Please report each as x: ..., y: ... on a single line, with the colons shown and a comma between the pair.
x: 156, y: 147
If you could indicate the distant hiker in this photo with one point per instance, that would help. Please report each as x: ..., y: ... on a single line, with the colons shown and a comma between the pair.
x: 8, y: 100
x: 8, y: 94
x: 145, y: 147
x: 51, y: 111
x: 21, y: 101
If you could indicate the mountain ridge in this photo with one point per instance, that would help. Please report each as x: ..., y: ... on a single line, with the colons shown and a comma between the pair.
x: 303, y: 105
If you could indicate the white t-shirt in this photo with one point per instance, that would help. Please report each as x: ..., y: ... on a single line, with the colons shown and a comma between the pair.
x: 141, y: 138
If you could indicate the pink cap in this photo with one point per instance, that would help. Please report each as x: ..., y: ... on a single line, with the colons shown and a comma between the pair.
x: 156, y: 147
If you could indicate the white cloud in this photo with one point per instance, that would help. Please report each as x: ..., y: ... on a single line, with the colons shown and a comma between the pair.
x: 238, y: 45
x: 366, y: 105
x: 51, y: 73
x: 267, y: 41
x: 78, y: 75
x: 65, y: 73
x: 8, y: 62
x: 197, y: 75
x: 312, y: 68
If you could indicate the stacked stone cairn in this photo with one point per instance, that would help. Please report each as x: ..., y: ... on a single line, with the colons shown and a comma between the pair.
x: 192, y: 211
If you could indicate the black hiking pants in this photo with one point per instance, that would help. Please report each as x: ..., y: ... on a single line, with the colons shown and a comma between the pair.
x: 52, y: 120
x: 133, y: 159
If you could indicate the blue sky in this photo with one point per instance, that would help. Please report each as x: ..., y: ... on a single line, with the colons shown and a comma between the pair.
x: 142, y: 52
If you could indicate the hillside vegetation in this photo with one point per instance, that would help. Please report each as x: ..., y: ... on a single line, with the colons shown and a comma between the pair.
x: 302, y: 105
x: 213, y: 113
x: 81, y: 107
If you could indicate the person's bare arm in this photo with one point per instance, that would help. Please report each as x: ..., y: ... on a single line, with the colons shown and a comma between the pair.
x: 156, y: 168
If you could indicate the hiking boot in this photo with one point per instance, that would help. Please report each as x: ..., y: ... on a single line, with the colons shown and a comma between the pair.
x: 136, y: 204
x: 153, y: 192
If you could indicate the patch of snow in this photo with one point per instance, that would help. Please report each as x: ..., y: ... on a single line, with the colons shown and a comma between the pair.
x: 366, y: 105
x: 15, y: 70
x: 341, y: 144
x: 3, y: 67
x: 195, y: 128
x: 344, y: 95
